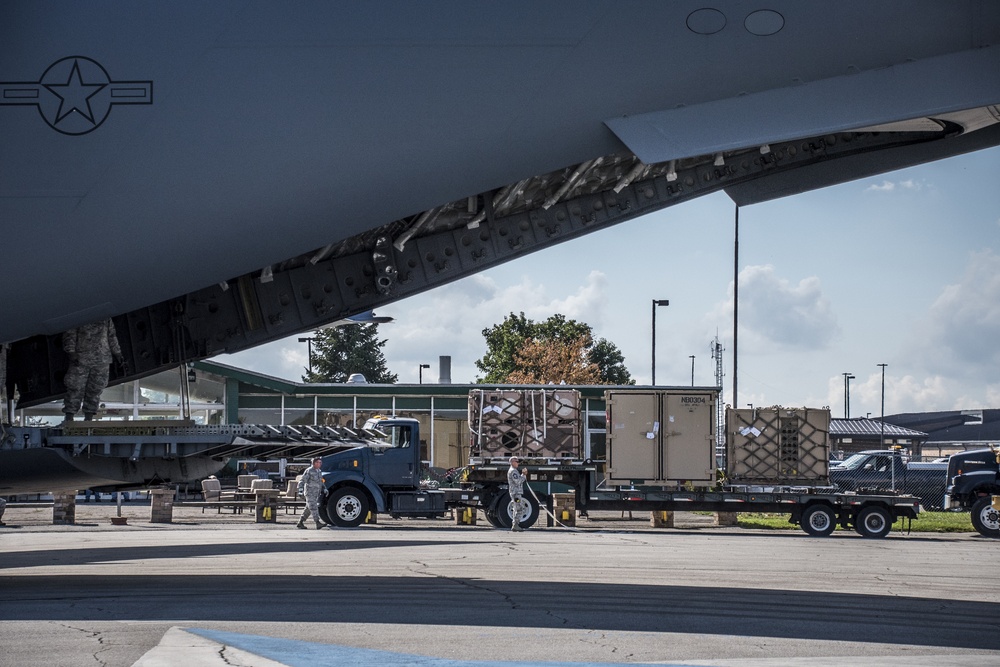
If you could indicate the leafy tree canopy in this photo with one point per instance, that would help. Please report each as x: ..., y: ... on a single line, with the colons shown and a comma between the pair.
x: 515, y: 349
x: 553, y: 362
x: 353, y: 348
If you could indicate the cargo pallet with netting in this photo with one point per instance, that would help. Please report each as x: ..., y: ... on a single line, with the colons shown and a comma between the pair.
x: 529, y: 423
x: 778, y: 446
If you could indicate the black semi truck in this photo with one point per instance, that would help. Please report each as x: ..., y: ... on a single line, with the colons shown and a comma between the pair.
x: 974, y: 486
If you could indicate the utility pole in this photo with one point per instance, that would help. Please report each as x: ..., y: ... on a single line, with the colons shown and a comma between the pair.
x: 720, y: 413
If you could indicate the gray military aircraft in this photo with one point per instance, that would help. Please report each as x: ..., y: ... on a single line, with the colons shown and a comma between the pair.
x: 215, y: 175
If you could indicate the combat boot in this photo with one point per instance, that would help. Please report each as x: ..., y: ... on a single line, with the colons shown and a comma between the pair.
x: 300, y: 525
x: 69, y: 417
x: 88, y: 416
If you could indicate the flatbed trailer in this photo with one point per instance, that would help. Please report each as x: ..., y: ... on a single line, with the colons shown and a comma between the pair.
x: 818, y: 511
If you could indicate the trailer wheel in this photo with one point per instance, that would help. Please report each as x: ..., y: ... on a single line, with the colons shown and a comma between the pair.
x: 505, y: 511
x: 491, y: 516
x: 874, y: 521
x: 985, y: 519
x: 347, y: 507
x: 818, y: 520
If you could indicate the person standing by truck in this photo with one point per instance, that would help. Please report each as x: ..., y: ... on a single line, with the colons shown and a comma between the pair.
x: 515, y: 486
x: 311, y: 488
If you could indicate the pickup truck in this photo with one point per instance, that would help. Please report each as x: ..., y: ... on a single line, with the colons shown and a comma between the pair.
x: 974, y: 485
x: 873, y: 470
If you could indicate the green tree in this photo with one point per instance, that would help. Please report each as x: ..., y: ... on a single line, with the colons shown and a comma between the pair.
x: 353, y: 348
x: 506, y: 340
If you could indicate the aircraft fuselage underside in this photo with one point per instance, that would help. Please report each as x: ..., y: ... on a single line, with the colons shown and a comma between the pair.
x: 460, y: 238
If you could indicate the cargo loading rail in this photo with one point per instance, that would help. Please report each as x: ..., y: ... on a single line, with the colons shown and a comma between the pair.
x: 141, y: 453
x: 138, y: 439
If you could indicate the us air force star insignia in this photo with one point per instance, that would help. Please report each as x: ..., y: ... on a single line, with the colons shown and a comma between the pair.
x: 75, y: 94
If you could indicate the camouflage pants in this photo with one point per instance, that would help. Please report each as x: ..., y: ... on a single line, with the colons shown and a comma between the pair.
x: 84, y: 383
x: 519, y: 510
x: 312, y: 508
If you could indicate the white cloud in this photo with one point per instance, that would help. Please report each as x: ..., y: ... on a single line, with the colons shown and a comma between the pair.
x: 884, y: 186
x: 450, y: 319
x: 777, y: 315
x: 959, y: 333
x: 890, y: 186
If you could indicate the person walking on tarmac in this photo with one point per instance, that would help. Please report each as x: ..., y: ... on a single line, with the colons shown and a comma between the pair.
x: 515, y: 486
x: 90, y: 349
x: 311, y: 488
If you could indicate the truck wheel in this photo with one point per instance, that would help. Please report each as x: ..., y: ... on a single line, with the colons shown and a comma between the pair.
x: 323, y: 514
x: 985, y: 519
x: 818, y: 520
x: 347, y: 507
x: 505, y: 511
x: 874, y: 521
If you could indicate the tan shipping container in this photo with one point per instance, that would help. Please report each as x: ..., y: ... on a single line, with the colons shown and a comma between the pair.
x: 661, y: 437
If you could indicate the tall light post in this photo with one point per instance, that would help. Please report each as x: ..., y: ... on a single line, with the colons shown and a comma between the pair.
x: 656, y: 302
x: 882, y: 366
x: 309, y: 341
x: 420, y: 372
x: 847, y: 394
x: 882, y: 427
x: 692, y: 370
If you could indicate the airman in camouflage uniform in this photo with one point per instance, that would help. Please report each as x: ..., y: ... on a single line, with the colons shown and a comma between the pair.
x: 311, y: 488
x: 90, y: 349
x: 515, y: 486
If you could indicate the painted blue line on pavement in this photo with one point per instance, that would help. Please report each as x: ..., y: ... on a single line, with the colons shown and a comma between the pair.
x: 295, y: 653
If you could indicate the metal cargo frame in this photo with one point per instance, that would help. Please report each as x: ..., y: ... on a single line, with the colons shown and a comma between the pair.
x: 530, y: 423
x: 778, y: 446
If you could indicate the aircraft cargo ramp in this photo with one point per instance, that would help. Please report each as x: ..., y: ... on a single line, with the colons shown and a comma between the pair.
x: 94, y: 454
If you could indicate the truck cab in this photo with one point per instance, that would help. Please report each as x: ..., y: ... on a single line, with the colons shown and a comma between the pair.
x: 382, y: 475
x: 974, y: 485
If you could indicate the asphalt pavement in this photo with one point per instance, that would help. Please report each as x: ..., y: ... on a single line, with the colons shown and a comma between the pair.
x: 219, y: 589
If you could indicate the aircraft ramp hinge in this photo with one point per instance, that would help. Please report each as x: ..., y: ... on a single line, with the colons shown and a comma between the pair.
x: 385, y: 265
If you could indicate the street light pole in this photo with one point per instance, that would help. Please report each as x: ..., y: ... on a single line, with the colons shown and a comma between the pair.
x: 420, y: 372
x: 847, y: 395
x: 309, y: 342
x: 656, y: 302
x: 692, y: 370
x: 882, y: 427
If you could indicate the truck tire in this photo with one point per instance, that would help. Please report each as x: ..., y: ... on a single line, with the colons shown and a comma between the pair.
x: 491, y: 515
x: 818, y: 520
x: 505, y: 511
x: 873, y: 521
x: 323, y: 514
x: 347, y: 507
x: 985, y: 519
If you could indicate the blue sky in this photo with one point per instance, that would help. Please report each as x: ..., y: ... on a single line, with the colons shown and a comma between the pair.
x: 901, y: 269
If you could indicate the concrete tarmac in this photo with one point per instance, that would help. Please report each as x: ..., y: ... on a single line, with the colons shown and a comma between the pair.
x: 218, y: 589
